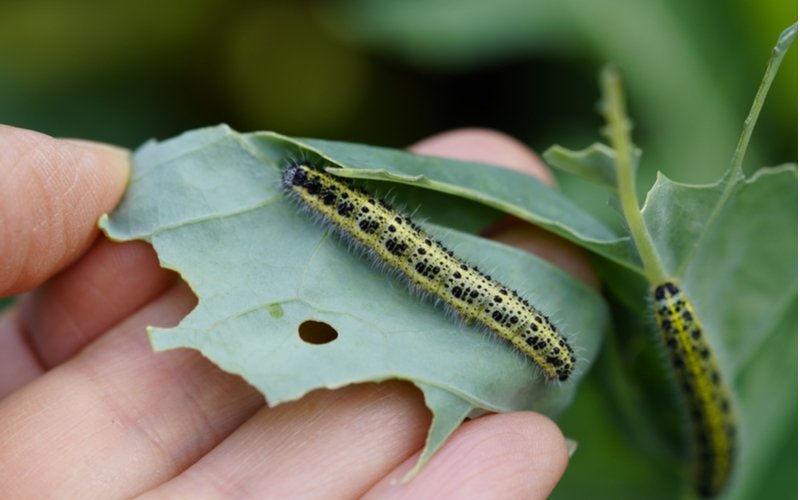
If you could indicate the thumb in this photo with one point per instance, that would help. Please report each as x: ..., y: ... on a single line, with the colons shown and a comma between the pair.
x: 52, y: 192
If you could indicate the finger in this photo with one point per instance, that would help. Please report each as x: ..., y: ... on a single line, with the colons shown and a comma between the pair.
x: 330, y: 444
x: 492, y: 147
x: 552, y: 248
x: 117, y: 418
x: 60, y: 317
x: 18, y: 363
x: 486, y: 146
x: 515, y: 455
x: 51, y: 195
x: 109, y: 283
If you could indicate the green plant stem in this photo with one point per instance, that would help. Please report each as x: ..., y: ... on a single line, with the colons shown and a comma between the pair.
x: 613, y: 107
x: 735, y: 173
x: 784, y: 42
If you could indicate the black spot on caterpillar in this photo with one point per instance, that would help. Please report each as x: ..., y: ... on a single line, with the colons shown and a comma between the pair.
x: 393, y: 239
x: 702, y: 387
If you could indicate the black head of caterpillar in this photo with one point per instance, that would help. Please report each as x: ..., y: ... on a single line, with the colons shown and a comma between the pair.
x: 703, y: 389
x: 393, y: 240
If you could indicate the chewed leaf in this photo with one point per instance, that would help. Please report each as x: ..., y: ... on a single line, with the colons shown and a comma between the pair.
x: 212, y: 206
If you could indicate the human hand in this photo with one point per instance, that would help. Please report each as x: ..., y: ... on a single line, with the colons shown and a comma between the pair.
x: 88, y: 409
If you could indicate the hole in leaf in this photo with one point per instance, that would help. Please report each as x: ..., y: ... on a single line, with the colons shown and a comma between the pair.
x: 316, y: 332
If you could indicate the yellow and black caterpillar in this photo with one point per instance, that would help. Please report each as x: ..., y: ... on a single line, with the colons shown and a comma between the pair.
x: 394, y: 240
x: 706, y: 395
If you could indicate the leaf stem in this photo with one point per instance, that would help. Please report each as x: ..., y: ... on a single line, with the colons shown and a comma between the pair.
x: 784, y: 42
x: 619, y: 132
x: 735, y: 173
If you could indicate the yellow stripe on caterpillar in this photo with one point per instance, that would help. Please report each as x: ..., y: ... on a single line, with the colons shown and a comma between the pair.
x: 706, y: 395
x: 394, y: 240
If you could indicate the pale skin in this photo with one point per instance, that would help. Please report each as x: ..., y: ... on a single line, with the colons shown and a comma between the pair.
x: 87, y: 410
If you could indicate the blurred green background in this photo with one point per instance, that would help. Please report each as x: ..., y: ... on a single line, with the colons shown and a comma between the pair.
x: 392, y: 72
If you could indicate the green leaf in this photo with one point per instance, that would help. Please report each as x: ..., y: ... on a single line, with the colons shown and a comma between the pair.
x: 596, y: 164
x: 767, y: 393
x: 677, y: 216
x: 211, y: 203
x: 736, y: 253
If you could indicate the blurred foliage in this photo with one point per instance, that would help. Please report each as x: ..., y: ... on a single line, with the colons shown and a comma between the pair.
x: 390, y: 73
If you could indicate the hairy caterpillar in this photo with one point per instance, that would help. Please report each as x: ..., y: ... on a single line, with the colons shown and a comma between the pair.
x: 393, y: 239
x: 704, y: 391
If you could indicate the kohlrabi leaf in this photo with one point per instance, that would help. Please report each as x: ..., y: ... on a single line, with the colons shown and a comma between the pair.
x: 211, y: 203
